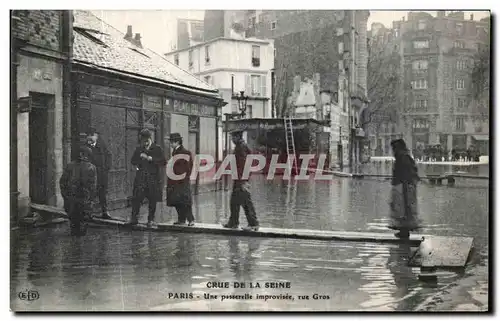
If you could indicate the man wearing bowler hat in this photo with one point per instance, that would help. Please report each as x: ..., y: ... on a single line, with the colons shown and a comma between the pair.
x: 149, y: 160
x: 179, y: 190
x: 240, y: 196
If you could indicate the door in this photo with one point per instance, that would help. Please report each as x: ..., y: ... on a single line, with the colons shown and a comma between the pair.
x: 38, y: 148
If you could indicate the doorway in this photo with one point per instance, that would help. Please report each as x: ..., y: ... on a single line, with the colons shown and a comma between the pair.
x: 38, y: 147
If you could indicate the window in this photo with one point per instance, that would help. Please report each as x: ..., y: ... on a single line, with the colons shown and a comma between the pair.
x: 460, y: 84
x: 255, y: 85
x: 419, y: 84
x: 459, y: 44
x: 421, y: 44
x: 421, y: 104
x: 190, y: 58
x: 461, y: 103
x: 341, y: 48
x: 248, y: 111
x: 460, y: 124
x: 232, y: 84
x: 396, y: 33
x: 421, y: 24
x: 176, y: 59
x: 459, y: 27
x: 207, y: 55
x: 461, y: 64
x: 478, y: 128
x: 420, y: 124
x: 420, y: 65
x: 255, y: 56
x: 273, y: 25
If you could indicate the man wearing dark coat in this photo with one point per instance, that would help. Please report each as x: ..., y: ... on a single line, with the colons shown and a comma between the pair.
x: 78, y: 187
x: 240, y: 196
x: 404, y: 209
x: 101, y: 158
x: 179, y: 190
x: 149, y: 160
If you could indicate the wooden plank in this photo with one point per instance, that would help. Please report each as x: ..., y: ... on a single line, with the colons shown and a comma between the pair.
x: 441, y: 251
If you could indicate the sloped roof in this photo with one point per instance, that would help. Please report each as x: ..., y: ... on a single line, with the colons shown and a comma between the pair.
x: 98, y: 44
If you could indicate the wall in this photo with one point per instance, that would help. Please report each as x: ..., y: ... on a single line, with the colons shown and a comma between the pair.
x: 42, y: 30
x: 225, y: 53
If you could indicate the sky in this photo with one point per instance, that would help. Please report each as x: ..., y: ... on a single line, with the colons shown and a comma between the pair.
x: 158, y: 28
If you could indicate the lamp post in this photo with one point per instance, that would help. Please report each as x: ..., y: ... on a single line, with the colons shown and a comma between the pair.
x: 242, y: 107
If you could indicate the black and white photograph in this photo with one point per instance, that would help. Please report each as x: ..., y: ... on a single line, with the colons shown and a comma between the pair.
x: 242, y: 160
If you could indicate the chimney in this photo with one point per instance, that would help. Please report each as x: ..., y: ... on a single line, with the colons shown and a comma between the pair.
x: 471, y: 17
x: 137, y: 40
x: 128, y: 35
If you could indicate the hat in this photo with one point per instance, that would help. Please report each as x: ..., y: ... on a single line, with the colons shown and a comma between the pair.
x: 145, y: 133
x: 175, y: 137
x: 398, y: 143
x: 85, y: 150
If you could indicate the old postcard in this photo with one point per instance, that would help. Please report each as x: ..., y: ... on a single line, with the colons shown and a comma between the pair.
x: 249, y: 160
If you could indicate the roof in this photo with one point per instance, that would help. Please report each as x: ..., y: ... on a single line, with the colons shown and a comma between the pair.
x: 100, y: 45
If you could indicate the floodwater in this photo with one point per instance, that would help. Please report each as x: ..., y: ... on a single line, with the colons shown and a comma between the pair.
x: 119, y: 270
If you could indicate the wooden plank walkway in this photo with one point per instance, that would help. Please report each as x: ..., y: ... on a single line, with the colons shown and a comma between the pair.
x: 434, y: 251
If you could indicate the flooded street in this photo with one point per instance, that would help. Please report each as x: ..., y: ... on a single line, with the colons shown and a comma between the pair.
x: 113, y: 269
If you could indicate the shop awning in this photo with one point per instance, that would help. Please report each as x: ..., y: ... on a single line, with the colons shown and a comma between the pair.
x: 481, y: 137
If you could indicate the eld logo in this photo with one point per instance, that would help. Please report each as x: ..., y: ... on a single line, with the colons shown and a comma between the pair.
x: 28, y: 295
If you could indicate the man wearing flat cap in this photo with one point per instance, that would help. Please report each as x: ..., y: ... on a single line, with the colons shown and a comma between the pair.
x: 179, y: 190
x: 240, y: 196
x: 149, y: 160
x: 78, y: 188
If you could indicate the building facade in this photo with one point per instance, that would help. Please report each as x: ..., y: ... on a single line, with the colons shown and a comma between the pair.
x: 438, y: 56
x: 233, y: 65
x: 40, y: 145
x: 121, y: 88
x: 331, y: 43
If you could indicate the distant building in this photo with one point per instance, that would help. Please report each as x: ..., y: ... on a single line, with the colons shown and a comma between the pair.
x: 324, y: 42
x: 438, y: 55
x: 233, y: 65
x: 189, y: 33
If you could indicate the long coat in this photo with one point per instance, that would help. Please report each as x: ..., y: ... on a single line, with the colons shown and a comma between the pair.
x: 148, y: 175
x: 179, y: 191
x: 78, y: 184
x: 101, y: 158
x: 404, y: 210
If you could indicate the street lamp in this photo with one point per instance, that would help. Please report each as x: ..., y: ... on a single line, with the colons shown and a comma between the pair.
x: 242, y: 103
x: 242, y: 107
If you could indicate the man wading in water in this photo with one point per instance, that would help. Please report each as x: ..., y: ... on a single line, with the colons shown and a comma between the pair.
x: 240, y: 196
x: 404, y: 214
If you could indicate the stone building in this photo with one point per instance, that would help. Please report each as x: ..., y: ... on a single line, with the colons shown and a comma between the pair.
x: 328, y: 42
x: 438, y: 54
x: 71, y: 71
x: 40, y: 106
x: 120, y: 88
x: 233, y: 65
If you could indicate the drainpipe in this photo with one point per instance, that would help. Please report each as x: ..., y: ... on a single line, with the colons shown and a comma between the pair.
x: 67, y: 105
x: 14, y: 193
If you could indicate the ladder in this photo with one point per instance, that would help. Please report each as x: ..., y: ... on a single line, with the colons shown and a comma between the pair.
x: 290, y: 143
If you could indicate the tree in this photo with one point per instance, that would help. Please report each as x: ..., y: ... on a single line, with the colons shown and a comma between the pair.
x: 383, y: 79
x: 480, y: 84
x: 303, y: 54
